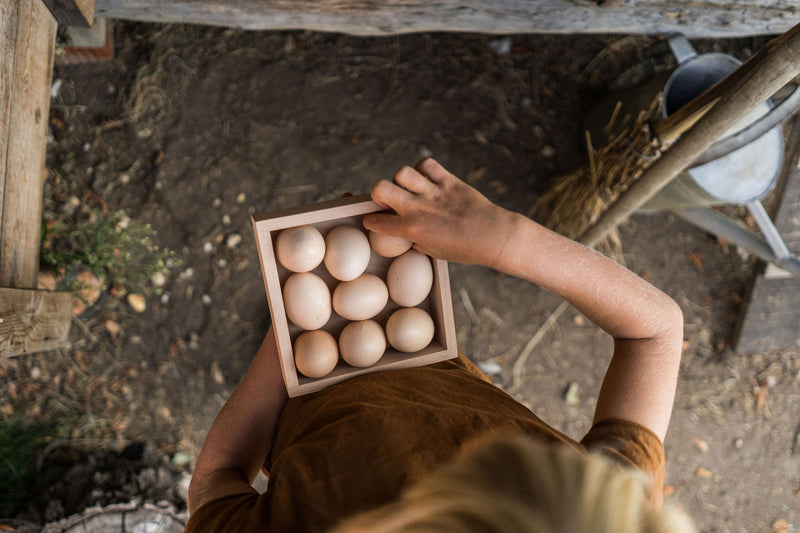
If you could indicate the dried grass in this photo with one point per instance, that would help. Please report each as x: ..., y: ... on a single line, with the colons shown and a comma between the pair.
x: 578, y: 199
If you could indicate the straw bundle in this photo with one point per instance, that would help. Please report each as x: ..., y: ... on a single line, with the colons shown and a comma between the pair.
x: 576, y: 200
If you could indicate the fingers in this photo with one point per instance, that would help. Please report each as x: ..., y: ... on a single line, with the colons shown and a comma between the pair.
x: 413, y: 181
x: 433, y: 170
x: 382, y: 223
x: 389, y: 195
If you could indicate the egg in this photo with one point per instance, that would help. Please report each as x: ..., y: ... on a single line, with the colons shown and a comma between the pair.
x: 300, y: 249
x: 347, y: 252
x: 361, y: 298
x: 388, y: 245
x: 362, y: 343
x: 307, y: 300
x: 410, y: 278
x: 409, y: 329
x: 315, y: 353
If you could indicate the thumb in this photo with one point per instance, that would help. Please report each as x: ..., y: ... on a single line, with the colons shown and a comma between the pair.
x: 383, y: 223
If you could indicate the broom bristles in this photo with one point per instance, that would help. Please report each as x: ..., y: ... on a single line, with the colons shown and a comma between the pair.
x: 576, y: 200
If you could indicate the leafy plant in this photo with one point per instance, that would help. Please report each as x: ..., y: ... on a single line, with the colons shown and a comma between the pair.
x: 111, y: 247
x: 19, y: 447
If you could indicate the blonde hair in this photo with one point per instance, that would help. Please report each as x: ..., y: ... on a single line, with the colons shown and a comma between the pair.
x: 515, y: 484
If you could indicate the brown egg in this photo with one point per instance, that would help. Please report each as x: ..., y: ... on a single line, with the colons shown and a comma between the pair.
x: 347, y: 252
x: 307, y: 300
x: 409, y: 329
x: 410, y: 278
x: 300, y: 249
x: 362, y: 343
x: 387, y: 245
x: 315, y: 353
x: 361, y: 298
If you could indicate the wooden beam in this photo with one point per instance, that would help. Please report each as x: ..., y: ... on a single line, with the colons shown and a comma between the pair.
x: 693, y: 18
x: 33, y: 321
x: 72, y: 12
x: 27, y: 40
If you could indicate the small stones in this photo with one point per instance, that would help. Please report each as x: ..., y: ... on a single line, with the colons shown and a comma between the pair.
x: 572, y: 394
x: 158, y: 279
x: 137, y: 302
x: 704, y: 473
x: 233, y: 240
x: 700, y: 444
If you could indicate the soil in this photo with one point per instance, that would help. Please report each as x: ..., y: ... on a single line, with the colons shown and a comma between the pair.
x: 194, y: 129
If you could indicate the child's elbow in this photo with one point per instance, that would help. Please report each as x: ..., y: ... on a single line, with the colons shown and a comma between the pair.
x: 673, y: 321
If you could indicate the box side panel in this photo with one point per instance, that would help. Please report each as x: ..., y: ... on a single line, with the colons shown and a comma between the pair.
x: 443, y: 302
x: 275, y: 299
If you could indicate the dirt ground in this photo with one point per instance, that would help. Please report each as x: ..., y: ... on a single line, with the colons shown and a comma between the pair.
x: 194, y: 129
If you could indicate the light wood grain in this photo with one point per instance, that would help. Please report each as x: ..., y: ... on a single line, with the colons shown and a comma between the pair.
x: 33, y: 321
x: 27, y: 42
x: 325, y: 216
x: 693, y: 18
x: 9, y: 14
x: 72, y: 12
x: 770, y: 318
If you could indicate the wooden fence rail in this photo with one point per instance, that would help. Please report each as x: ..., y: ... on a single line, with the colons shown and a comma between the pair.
x: 693, y: 18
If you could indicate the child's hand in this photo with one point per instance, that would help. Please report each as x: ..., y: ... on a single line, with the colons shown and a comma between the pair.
x: 443, y: 216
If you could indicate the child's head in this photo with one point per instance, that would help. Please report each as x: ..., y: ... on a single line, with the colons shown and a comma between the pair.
x: 514, y: 484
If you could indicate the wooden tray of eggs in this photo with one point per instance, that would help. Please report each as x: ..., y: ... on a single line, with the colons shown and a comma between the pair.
x: 346, y: 302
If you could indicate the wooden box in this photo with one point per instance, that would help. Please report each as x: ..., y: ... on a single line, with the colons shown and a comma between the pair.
x: 325, y: 216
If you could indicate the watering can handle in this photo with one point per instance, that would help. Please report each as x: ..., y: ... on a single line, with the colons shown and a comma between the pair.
x: 680, y: 47
x: 741, y: 138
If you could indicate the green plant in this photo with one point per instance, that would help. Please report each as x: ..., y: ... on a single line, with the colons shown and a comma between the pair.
x: 19, y: 447
x: 111, y: 247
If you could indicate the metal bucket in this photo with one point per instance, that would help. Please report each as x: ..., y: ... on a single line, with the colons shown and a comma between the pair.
x: 740, y: 177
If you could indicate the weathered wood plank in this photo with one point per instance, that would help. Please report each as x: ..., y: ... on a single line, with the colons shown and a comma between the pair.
x: 33, y: 321
x: 72, y: 12
x: 8, y: 42
x: 771, y: 318
x: 694, y: 18
x: 28, y: 40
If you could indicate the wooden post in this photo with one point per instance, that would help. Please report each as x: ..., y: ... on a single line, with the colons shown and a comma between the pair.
x: 30, y: 320
x: 27, y: 41
x: 72, y: 12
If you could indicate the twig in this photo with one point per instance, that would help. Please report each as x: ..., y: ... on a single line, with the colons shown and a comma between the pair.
x: 468, y: 306
x: 796, y: 440
x: 502, y: 108
x: 501, y: 357
x: 393, y: 80
x: 92, y: 195
x: 537, y: 337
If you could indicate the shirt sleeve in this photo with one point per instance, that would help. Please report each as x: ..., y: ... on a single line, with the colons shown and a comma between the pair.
x: 632, y: 445
x: 238, y: 512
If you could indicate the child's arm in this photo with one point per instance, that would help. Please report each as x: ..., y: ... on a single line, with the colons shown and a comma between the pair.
x: 243, y: 432
x: 448, y: 219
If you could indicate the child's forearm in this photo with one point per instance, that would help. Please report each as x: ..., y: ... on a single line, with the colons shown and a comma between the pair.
x: 615, y: 299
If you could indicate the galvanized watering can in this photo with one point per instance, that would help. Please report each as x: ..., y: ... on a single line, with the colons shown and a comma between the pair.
x: 739, y: 169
